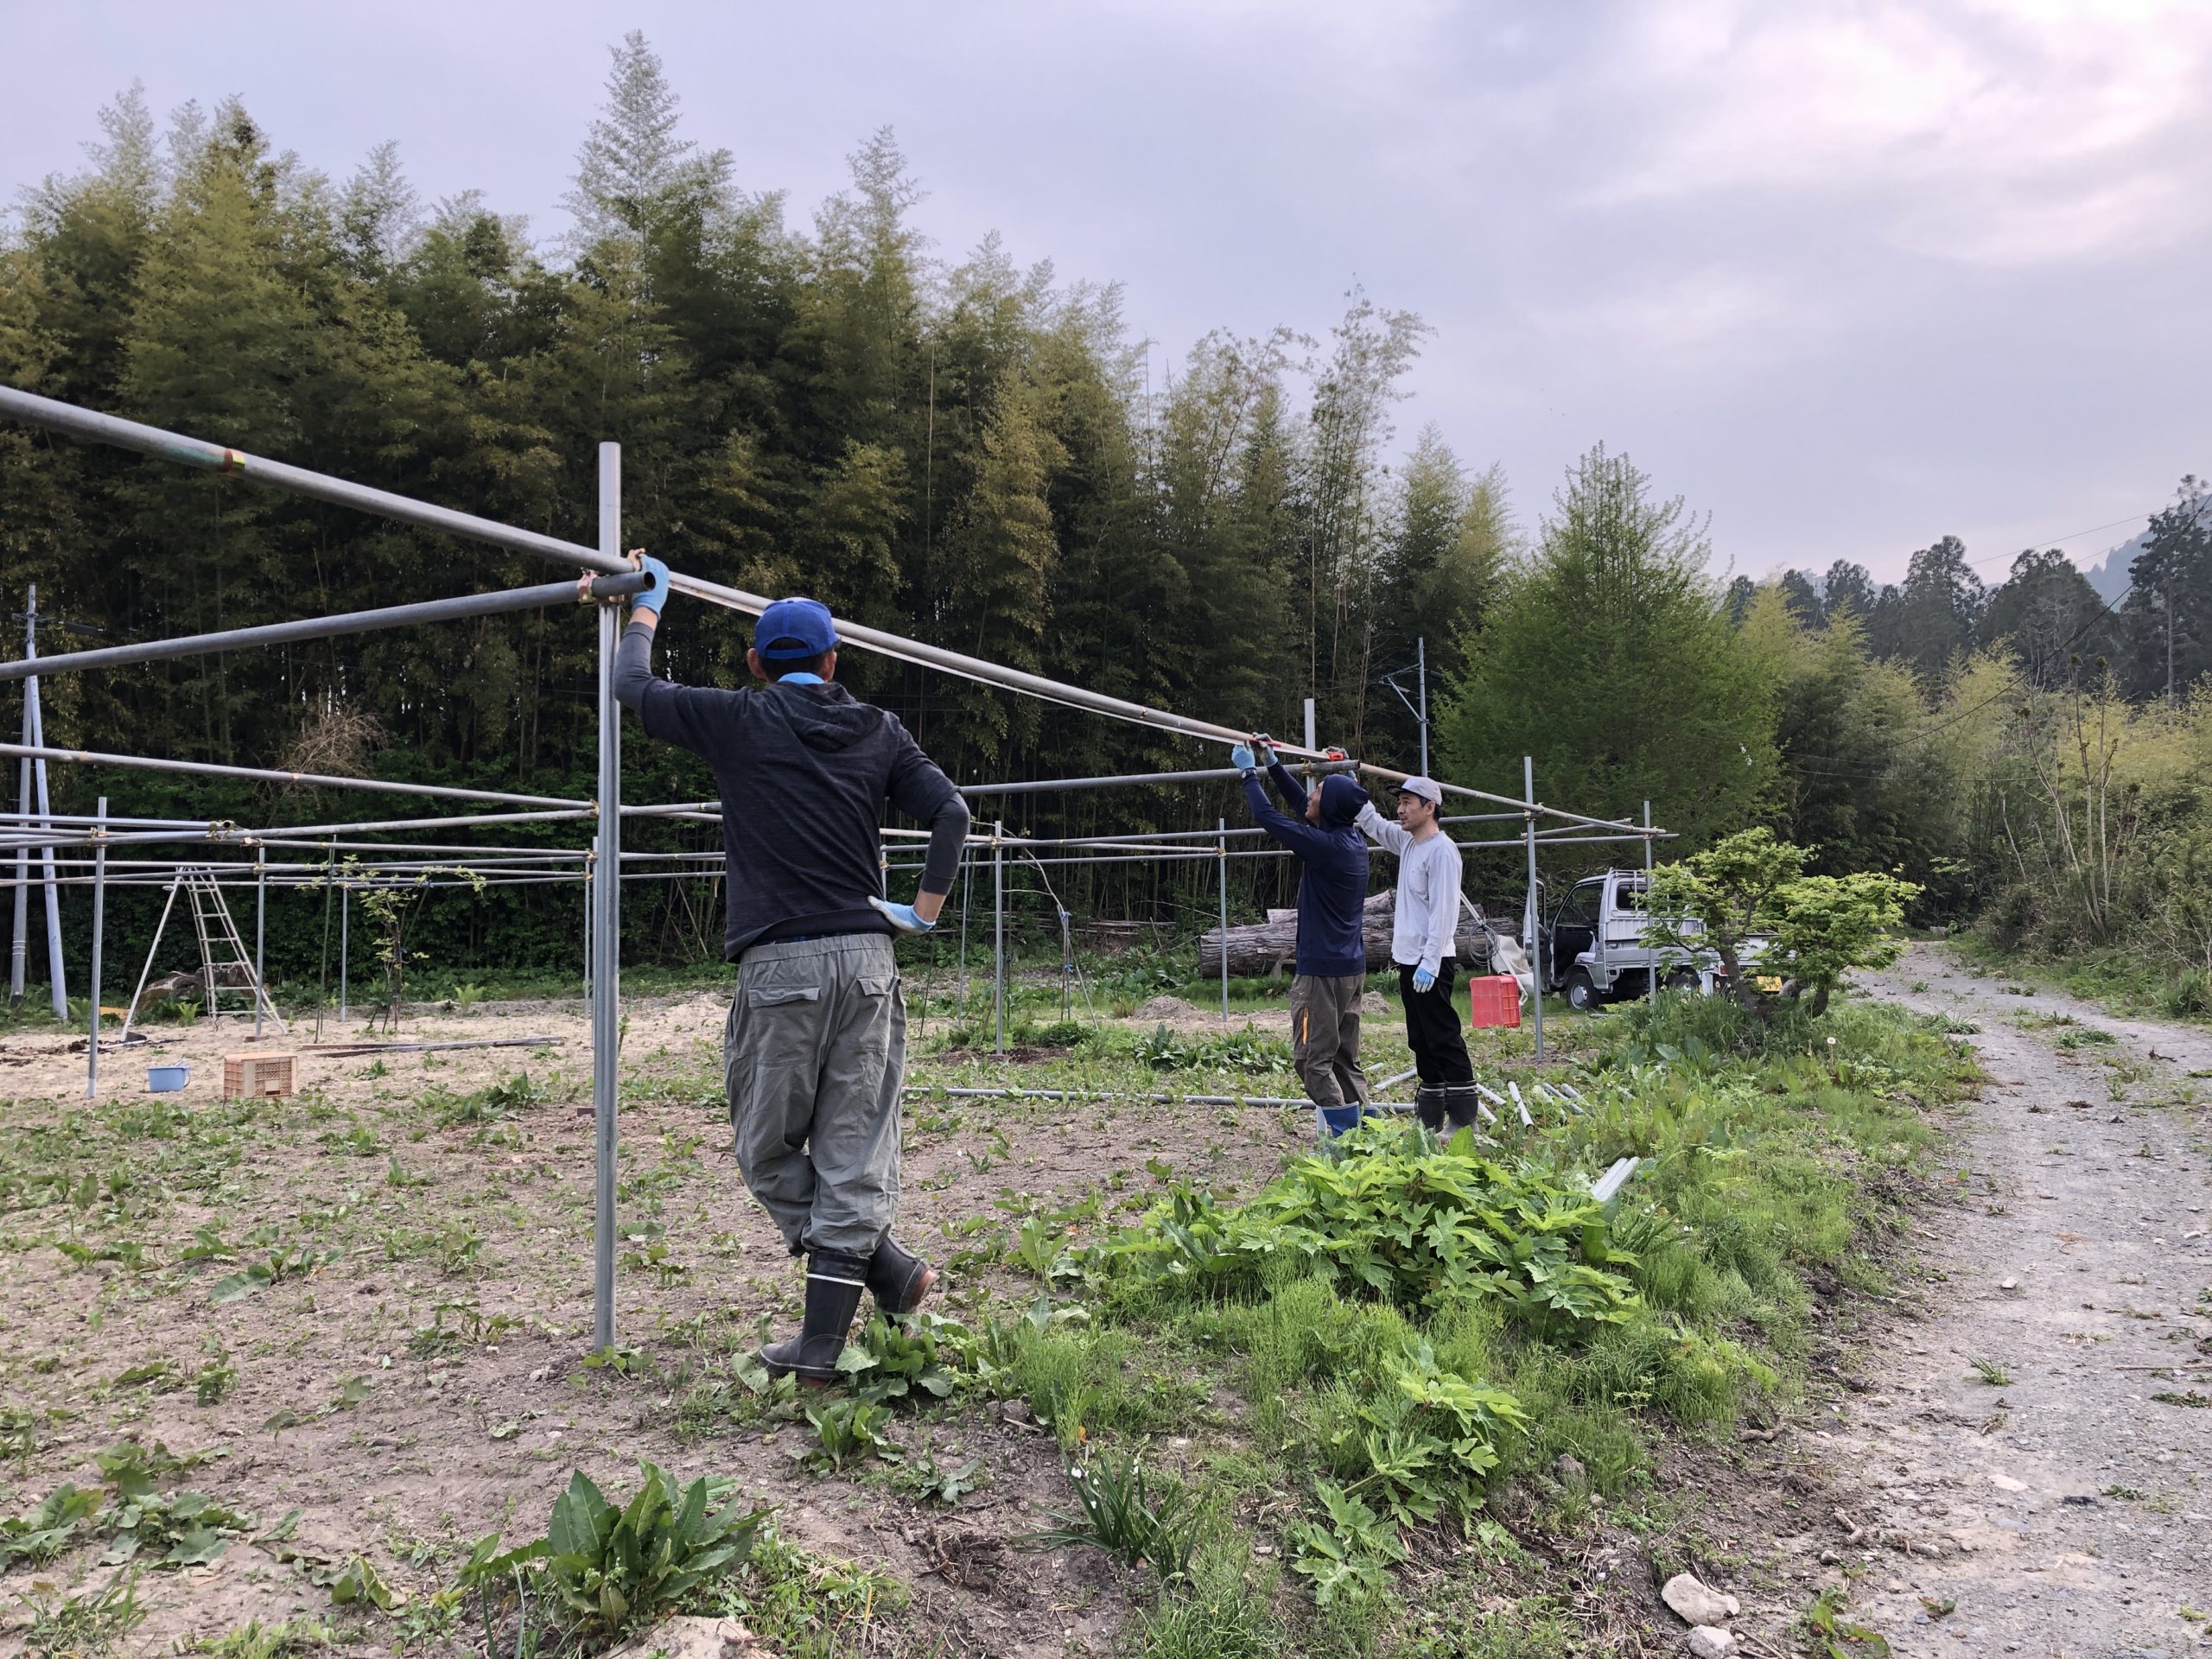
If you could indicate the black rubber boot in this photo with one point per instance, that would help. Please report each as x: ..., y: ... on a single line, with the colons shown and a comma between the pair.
x: 834, y: 1283
x: 1461, y: 1109
x: 899, y: 1277
x: 1428, y: 1105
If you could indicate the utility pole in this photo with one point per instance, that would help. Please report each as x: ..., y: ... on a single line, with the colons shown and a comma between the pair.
x: 1416, y: 705
x: 1421, y: 669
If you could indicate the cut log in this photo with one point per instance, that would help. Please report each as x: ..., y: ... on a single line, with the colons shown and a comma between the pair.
x: 1268, y: 947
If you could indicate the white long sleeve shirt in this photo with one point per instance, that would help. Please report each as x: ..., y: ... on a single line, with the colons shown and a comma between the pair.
x: 1427, y: 920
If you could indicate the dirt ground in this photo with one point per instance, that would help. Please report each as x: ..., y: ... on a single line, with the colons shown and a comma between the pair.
x: 425, y: 1383
x: 2061, y: 1504
x: 454, y: 1312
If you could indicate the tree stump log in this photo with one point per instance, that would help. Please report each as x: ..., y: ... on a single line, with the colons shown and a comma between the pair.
x: 1269, y: 947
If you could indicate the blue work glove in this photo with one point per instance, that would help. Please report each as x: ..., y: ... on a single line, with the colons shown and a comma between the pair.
x: 654, y: 598
x: 1241, y: 758
x: 902, y: 917
x: 1424, y: 978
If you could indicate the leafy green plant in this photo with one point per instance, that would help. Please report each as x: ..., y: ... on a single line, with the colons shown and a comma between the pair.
x: 614, y: 1567
x: 848, y: 1431
x: 1349, y: 1556
x: 489, y: 1105
x: 1748, y: 893
x: 280, y: 1266
x: 83, y: 1624
x: 184, y: 1529
x: 1839, y: 1638
x: 895, y: 1358
x: 1989, y: 1371
x: 1143, y: 1518
x: 48, y: 1530
x: 216, y: 1374
x: 1387, y: 1211
x: 281, y: 1639
x: 1163, y: 1049
x: 932, y: 1482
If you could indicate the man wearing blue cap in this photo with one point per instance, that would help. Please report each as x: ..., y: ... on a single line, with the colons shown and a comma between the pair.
x: 1332, y: 960
x: 816, y: 1046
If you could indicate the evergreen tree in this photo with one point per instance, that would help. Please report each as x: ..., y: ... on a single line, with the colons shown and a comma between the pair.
x: 2171, y: 596
x: 1938, y: 607
x: 1611, y: 661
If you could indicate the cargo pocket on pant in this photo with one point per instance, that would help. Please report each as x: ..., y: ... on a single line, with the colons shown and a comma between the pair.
x: 778, y: 996
x: 770, y: 1067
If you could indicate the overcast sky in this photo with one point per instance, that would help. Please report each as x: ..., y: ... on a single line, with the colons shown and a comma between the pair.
x: 1848, y: 276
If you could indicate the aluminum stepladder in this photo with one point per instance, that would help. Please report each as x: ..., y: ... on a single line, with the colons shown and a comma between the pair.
x: 222, y: 952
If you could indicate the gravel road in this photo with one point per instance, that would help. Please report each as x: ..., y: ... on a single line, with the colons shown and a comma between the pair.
x: 2036, y: 1428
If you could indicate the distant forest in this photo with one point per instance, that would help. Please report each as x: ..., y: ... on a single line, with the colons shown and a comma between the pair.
x: 973, y: 453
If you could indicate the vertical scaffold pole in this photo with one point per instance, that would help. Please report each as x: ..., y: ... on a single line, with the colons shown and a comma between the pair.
x: 260, y: 934
x: 998, y: 933
x: 1309, y: 722
x: 21, y: 948
x: 57, y: 990
x: 345, y: 919
x: 100, y: 925
x: 1536, y: 917
x: 1651, y: 961
x: 1221, y: 861
x: 591, y: 869
x: 607, y: 916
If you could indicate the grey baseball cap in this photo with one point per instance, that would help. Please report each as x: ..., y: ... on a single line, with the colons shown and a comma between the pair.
x: 1427, y: 788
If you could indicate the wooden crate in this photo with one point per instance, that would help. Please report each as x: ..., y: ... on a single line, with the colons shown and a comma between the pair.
x: 256, y: 1077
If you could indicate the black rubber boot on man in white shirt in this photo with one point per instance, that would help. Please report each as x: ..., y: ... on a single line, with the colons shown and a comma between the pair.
x: 1461, y: 1108
x: 1428, y: 1105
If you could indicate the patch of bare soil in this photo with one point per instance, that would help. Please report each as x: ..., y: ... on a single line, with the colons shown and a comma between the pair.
x: 422, y: 1383
x: 1273, y: 1022
x: 2018, y: 1459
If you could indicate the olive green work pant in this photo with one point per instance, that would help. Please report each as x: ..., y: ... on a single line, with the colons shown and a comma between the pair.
x: 1325, y: 1036
x: 813, y: 1057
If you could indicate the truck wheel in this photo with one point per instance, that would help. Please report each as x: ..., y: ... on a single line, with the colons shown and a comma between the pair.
x: 1683, y: 979
x: 1581, y: 994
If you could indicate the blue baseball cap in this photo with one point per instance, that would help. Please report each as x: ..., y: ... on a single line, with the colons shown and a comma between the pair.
x: 792, y: 630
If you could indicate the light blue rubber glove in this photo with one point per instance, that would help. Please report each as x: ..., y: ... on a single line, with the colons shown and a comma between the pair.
x: 1241, y: 758
x: 902, y: 917
x: 1424, y: 978
x: 655, y: 598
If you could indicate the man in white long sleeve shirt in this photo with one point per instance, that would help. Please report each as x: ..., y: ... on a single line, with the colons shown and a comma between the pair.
x: 1423, y: 931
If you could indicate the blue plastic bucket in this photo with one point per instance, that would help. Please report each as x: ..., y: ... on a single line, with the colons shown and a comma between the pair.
x: 1331, y: 1121
x: 168, y: 1079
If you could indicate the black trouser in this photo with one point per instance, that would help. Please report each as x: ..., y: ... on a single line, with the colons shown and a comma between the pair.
x: 1432, y: 1029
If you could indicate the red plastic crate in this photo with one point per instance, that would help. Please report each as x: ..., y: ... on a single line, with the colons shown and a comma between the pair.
x: 1494, y: 999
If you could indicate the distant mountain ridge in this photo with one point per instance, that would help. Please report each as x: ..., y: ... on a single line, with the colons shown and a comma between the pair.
x: 2110, y: 576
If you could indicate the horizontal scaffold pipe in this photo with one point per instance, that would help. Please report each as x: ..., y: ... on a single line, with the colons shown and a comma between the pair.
x: 1047, y: 785
x: 257, y: 774
x: 232, y: 835
x: 1536, y: 807
x: 933, y: 1091
x: 422, y: 613
x: 212, y: 457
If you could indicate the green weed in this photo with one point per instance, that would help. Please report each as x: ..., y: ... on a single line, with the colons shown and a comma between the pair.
x: 1146, y: 1519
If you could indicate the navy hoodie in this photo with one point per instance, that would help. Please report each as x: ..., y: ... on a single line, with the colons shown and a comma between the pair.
x: 1331, y: 865
x: 804, y: 771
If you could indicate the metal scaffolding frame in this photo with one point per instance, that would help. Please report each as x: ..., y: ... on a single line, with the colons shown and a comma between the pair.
x: 26, y: 830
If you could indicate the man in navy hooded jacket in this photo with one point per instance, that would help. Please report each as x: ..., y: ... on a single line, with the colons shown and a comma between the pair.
x: 1332, y: 959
